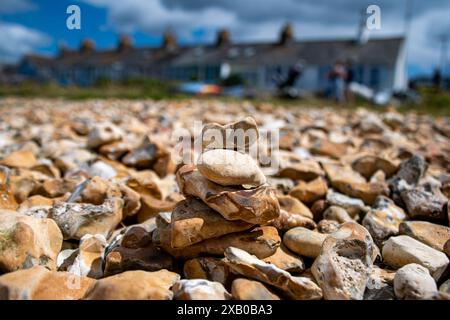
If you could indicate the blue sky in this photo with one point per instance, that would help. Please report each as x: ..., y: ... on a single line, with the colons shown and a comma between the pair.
x: 48, y: 17
x: 40, y: 25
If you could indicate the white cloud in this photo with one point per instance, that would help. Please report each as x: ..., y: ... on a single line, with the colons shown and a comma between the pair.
x: 240, y: 17
x: 15, y: 6
x: 249, y: 19
x: 152, y: 17
x: 17, y: 40
x: 424, y: 47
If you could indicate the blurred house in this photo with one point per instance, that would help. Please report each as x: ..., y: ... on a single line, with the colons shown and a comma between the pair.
x: 9, y: 75
x: 376, y: 63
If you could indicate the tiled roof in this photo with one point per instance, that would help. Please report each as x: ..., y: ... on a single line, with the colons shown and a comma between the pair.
x: 317, y: 52
x: 324, y: 52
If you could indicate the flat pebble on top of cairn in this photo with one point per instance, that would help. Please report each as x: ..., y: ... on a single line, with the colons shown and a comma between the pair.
x: 355, y: 207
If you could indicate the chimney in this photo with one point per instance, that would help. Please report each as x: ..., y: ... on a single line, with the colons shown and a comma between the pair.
x: 287, y: 34
x: 125, y: 43
x: 63, y: 50
x: 169, y: 41
x: 223, y: 38
x: 87, y: 46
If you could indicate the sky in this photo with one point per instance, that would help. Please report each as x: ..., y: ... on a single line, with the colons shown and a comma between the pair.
x: 39, y: 26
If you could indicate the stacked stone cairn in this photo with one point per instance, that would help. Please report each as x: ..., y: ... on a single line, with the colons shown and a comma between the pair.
x: 230, y: 211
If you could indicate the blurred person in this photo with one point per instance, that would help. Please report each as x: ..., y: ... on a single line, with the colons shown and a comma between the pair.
x: 337, y: 78
x: 437, y: 79
x: 285, y: 85
x: 350, y: 77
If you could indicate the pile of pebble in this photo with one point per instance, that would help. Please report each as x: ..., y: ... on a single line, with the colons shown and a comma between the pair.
x: 95, y: 203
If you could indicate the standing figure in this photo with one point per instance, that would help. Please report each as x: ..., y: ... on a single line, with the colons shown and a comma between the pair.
x: 337, y: 78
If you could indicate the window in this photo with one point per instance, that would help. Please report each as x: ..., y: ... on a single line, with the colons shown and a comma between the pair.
x: 233, y: 53
x: 198, y: 51
x: 374, y: 77
x: 212, y: 73
x: 359, y: 74
x: 249, y: 52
